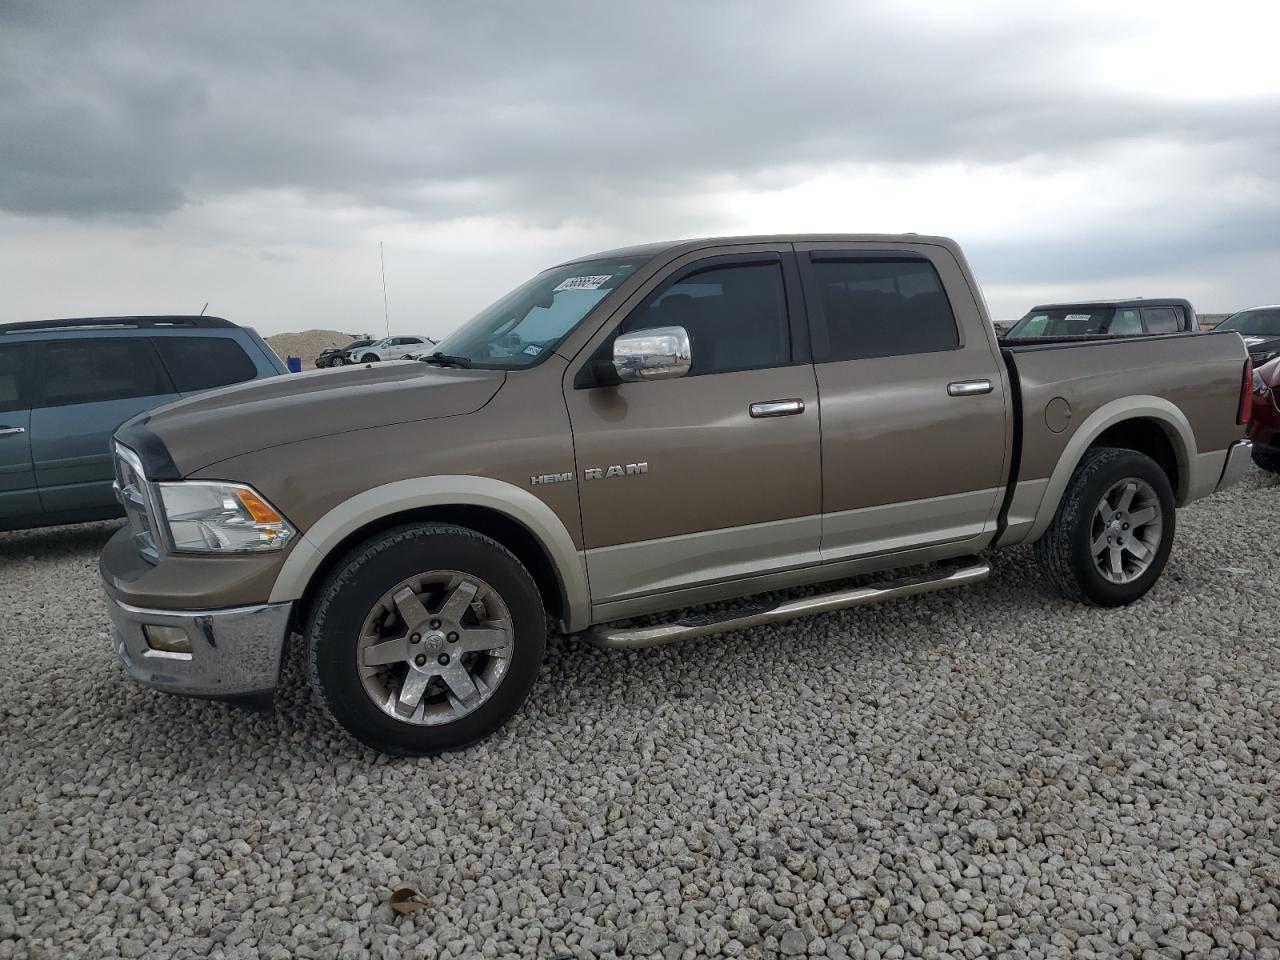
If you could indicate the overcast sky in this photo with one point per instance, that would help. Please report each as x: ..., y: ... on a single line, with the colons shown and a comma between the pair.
x: 155, y: 156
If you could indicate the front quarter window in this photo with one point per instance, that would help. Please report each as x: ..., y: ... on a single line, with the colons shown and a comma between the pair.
x: 517, y: 330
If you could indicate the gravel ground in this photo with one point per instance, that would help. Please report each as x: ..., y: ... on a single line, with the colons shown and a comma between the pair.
x: 977, y: 773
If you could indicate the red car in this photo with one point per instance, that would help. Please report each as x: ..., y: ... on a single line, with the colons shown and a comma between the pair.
x: 1264, y: 421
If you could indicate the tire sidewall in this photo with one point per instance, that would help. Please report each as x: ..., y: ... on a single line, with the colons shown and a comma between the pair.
x: 1097, y: 587
x: 332, y: 636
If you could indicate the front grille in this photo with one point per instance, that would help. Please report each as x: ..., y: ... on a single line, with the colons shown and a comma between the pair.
x: 136, y: 496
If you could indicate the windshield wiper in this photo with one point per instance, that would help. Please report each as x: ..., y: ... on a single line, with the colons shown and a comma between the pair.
x: 445, y: 360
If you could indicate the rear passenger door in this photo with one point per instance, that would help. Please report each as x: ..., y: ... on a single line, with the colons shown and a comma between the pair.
x: 913, y: 407
x: 18, y: 497
x: 89, y: 386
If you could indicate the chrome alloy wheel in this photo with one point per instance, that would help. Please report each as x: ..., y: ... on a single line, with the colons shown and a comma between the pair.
x: 435, y: 647
x: 1125, y: 535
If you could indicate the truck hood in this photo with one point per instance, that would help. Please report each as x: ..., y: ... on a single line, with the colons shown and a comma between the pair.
x: 232, y: 421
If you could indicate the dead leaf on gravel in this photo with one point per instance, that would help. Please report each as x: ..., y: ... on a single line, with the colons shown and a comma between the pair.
x: 408, y: 900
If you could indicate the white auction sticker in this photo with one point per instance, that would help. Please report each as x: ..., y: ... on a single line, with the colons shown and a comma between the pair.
x: 1079, y: 316
x: 583, y: 283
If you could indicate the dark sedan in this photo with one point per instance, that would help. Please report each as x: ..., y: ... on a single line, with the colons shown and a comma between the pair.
x: 1260, y: 327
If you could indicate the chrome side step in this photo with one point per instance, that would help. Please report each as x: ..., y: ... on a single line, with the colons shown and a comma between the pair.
x: 636, y: 638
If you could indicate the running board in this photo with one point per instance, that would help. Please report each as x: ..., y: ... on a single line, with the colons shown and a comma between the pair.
x: 636, y: 638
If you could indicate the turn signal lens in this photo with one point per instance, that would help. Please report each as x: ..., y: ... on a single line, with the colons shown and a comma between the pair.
x: 259, y: 509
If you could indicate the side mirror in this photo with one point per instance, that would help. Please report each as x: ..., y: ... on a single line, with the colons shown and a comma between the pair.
x: 660, y: 353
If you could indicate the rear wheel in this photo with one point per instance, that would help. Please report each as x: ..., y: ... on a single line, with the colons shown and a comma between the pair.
x: 1267, y: 459
x: 1112, y: 534
x: 425, y: 639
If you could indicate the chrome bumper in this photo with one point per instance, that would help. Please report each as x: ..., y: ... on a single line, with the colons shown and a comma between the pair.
x: 234, y: 652
x: 1239, y: 457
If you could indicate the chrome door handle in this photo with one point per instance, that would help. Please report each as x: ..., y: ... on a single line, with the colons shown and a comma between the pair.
x: 777, y: 408
x: 968, y: 388
x: 9, y: 431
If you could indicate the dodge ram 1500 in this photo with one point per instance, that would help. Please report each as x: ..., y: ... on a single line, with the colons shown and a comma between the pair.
x: 646, y: 430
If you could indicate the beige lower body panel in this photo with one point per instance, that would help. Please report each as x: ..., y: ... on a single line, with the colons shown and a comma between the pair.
x: 658, y: 566
x: 783, y: 579
x: 890, y: 527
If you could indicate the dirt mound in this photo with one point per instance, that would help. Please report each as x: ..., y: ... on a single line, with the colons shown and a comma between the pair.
x: 307, y: 344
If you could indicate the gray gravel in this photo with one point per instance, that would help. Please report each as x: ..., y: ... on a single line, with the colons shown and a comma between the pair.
x: 980, y: 773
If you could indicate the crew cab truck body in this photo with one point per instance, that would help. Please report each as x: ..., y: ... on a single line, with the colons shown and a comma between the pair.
x: 641, y: 431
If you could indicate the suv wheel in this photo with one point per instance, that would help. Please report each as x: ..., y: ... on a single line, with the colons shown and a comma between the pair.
x: 370, y: 358
x: 1111, y: 537
x: 425, y: 639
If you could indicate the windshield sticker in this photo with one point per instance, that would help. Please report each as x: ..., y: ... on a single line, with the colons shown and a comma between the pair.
x: 583, y: 283
x: 1079, y: 316
x: 531, y: 350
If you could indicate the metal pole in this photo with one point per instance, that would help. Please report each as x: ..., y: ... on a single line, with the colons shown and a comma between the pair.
x: 386, y: 316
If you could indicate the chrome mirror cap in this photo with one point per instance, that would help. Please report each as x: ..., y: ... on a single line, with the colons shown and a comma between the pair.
x: 659, y: 353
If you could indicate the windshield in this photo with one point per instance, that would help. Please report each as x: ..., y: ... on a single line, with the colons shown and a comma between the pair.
x: 537, y: 315
x: 1254, y: 323
x: 1061, y: 322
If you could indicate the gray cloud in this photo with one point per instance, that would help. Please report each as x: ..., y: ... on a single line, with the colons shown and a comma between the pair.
x: 135, y: 110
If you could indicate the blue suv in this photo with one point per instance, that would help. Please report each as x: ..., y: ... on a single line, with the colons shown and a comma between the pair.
x: 66, y: 385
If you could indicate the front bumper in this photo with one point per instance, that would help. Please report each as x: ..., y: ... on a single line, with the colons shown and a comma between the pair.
x: 1239, y: 455
x: 235, y: 652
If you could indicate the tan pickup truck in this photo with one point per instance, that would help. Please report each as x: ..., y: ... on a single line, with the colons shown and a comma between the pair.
x: 639, y: 431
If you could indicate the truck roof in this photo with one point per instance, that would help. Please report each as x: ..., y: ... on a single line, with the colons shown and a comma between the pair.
x: 670, y: 246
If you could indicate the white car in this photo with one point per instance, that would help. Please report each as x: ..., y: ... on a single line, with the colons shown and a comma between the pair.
x: 389, y: 348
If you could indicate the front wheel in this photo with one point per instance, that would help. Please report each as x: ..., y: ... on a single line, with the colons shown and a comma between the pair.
x: 370, y: 358
x: 425, y: 639
x: 1111, y: 537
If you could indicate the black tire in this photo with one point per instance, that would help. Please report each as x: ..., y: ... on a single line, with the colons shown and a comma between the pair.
x: 354, y: 587
x: 1064, y: 553
x: 1268, y: 460
x: 370, y: 358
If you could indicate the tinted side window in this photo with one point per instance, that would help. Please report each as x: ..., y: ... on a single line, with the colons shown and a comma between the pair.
x: 1161, y: 319
x: 879, y: 308
x: 87, y: 371
x: 736, y: 317
x: 14, y: 389
x: 199, y: 363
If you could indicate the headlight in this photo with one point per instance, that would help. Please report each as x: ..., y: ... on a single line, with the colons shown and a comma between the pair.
x: 207, y: 516
x: 1260, y: 389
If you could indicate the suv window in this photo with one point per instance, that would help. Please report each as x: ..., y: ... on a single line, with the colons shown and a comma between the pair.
x: 880, y: 308
x: 14, y: 391
x: 736, y: 317
x: 200, y: 363
x: 1161, y: 319
x: 87, y: 371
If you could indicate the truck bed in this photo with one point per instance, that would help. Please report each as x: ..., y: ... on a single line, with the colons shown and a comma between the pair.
x: 1059, y: 384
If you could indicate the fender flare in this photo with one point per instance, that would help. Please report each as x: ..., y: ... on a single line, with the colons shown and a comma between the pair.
x: 1176, y: 427
x: 374, y: 504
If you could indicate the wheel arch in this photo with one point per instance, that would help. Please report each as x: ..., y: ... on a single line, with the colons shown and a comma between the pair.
x: 1150, y: 425
x: 513, y: 517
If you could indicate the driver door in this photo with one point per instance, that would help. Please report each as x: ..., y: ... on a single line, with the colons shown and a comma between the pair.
x: 692, y: 482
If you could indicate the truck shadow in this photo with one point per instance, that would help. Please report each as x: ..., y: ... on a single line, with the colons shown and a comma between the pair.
x: 50, y: 542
